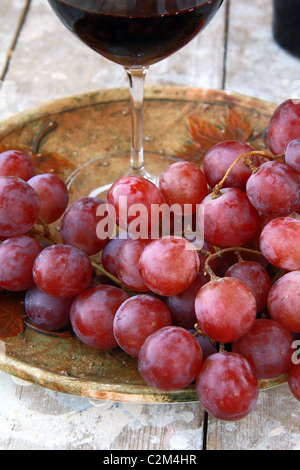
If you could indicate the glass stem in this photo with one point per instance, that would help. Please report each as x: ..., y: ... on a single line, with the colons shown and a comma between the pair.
x: 137, y: 77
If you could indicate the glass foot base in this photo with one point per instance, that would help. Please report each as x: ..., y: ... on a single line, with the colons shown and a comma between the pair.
x: 95, y: 177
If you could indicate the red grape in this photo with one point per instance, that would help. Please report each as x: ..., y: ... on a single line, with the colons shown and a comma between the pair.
x: 53, y: 194
x: 284, y: 301
x: 268, y: 347
x: 284, y: 126
x: 20, y: 206
x: 16, y: 163
x: 92, y: 315
x: 274, y: 190
x: 183, y: 183
x: 226, y: 259
x: 255, y: 277
x: 220, y: 157
x: 230, y: 219
x: 255, y: 242
x: 294, y: 380
x: 225, y: 309
x: 62, y: 271
x: 17, y: 256
x: 280, y: 243
x: 47, y: 312
x: 169, y: 265
x: 170, y: 359
x: 207, y: 347
x: 136, y: 201
x: 109, y: 253
x: 182, y: 306
x: 79, y: 226
x: 292, y: 155
x: 227, y: 386
x: 127, y: 264
x: 136, y: 319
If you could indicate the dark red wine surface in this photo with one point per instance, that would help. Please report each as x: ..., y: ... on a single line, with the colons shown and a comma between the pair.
x: 134, y: 33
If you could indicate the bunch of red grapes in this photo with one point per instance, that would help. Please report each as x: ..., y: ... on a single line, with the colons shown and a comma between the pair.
x: 222, y: 314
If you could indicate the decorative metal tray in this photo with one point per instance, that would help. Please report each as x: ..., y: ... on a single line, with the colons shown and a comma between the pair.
x: 180, y: 122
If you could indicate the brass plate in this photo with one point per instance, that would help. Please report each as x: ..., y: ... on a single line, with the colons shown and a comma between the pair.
x: 181, y: 122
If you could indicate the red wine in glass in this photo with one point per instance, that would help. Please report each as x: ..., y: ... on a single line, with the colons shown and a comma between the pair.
x: 134, y: 34
x: 141, y: 36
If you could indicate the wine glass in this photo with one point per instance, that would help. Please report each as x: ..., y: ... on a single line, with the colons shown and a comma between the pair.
x: 134, y: 34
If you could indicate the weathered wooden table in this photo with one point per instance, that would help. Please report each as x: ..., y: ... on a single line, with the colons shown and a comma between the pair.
x: 39, y: 62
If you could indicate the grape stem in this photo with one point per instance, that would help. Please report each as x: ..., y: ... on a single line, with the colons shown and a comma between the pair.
x: 100, y: 269
x: 207, y: 269
x: 204, y: 252
x: 46, y: 230
x: 248, y: 161
x: 45, y: 233
x: 199, y: 332
x: 239, y: 256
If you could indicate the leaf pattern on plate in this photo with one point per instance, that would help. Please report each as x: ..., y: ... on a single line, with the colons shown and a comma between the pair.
x: 14, y: 320
x: 12, y: 314
x: 204, y: 134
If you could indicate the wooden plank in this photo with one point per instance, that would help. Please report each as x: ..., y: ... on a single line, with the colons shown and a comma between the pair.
x: 273, y: 425
x: 34, y: 418
x: 48, y: 62
x: 11, y: 14
x: 165, y: 427
x: 256, y: 65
